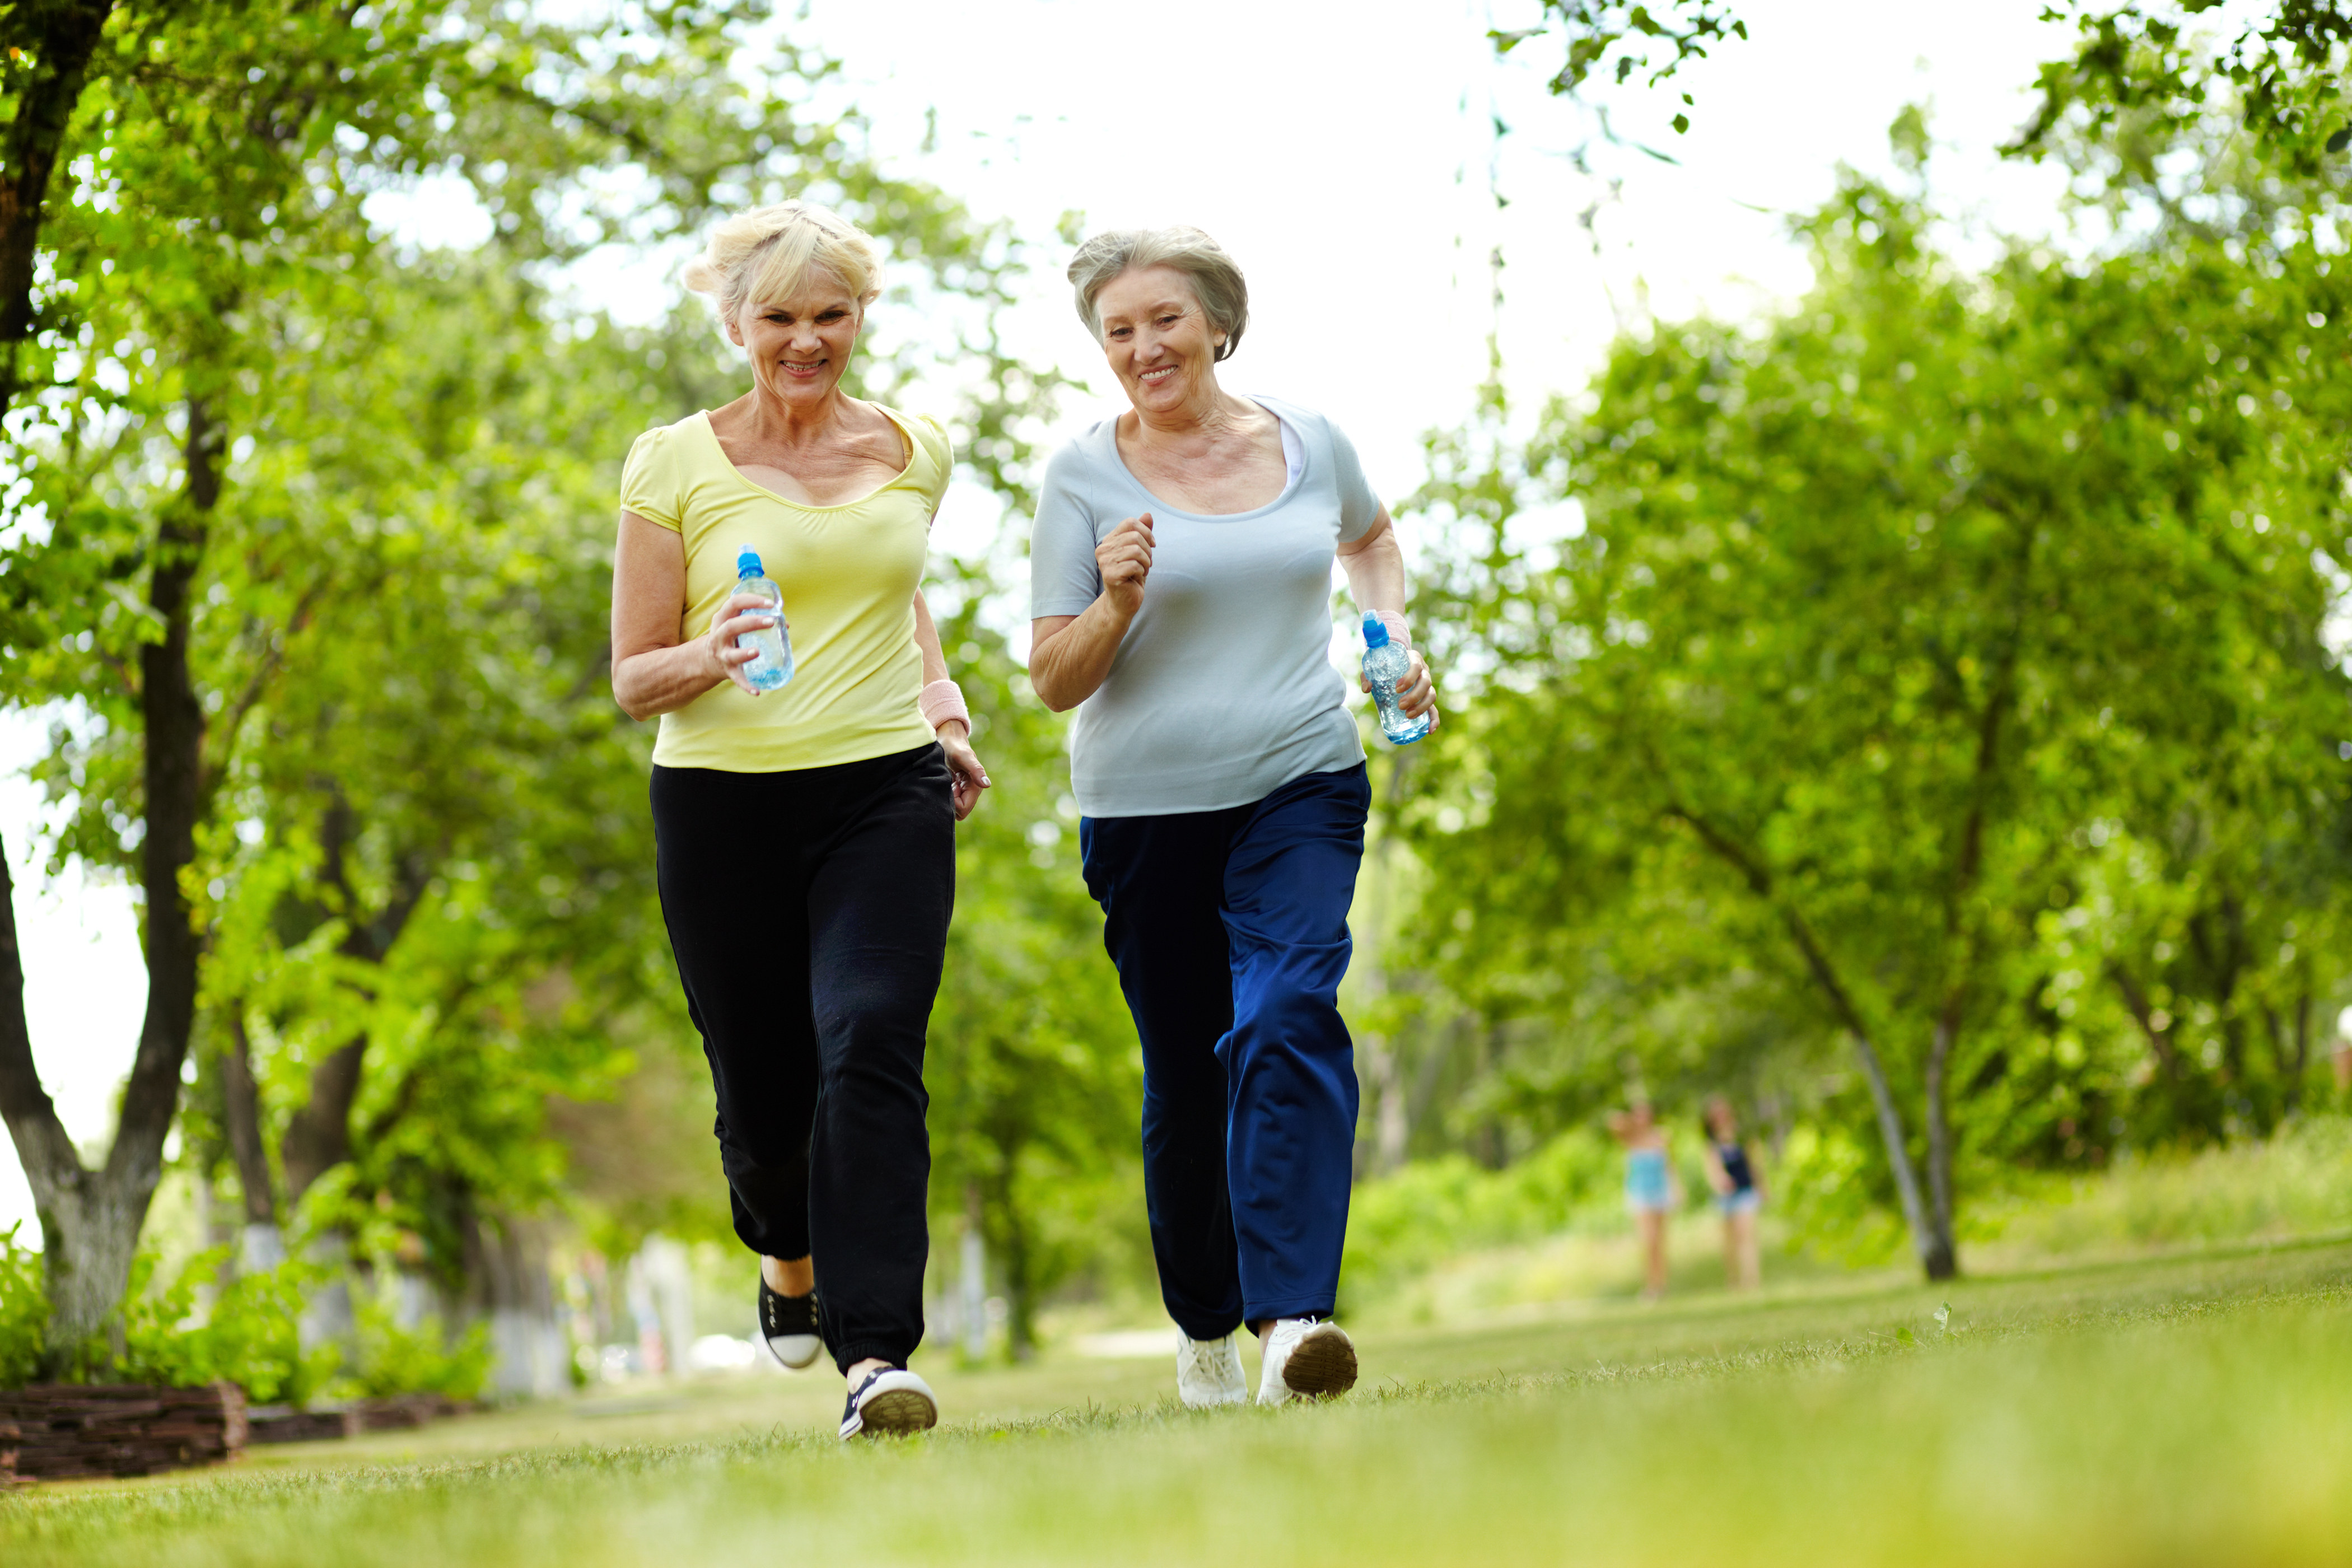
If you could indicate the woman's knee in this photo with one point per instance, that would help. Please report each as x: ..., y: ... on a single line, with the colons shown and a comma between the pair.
x: 1295, y: 1018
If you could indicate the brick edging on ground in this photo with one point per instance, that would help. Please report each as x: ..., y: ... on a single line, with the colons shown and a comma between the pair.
x: 60, y: 1431
x: 325, y: 1423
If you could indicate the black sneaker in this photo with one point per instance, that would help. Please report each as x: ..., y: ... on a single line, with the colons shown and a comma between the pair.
x: 889, y: 1404
x: 788, y: 1325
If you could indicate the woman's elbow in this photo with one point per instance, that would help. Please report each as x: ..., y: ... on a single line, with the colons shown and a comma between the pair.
x: 629, y: 694
x: 1054, y: 687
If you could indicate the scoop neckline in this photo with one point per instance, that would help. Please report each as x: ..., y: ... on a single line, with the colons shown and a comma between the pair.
x: 1290, y: 484
x: 914, y: 454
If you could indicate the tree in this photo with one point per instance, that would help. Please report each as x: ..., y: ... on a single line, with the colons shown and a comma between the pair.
x: 212, y: 246
x: 1878, y: 617
x: 2282, y: 67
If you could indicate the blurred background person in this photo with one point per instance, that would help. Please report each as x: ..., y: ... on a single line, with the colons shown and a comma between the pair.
x: 1652, y: 1193
x: 1739, y: 1194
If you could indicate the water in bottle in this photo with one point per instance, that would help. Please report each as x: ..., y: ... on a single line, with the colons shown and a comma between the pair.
x: 774, y: 665
x: 1385, y: 664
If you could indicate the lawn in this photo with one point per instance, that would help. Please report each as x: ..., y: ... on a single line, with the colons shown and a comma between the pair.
x: 2193, y: 1408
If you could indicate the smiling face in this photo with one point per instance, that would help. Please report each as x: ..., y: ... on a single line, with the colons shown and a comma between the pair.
x: 799, y: 346
x: 1158, y: 340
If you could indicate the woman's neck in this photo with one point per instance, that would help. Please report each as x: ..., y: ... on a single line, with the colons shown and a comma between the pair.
x: 771, y: 421
x: 1204, y: 417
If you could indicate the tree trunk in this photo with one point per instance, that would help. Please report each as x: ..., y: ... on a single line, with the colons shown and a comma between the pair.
x: 2168, y: 1054
x: 319, y: 1136
x: 261, y: 1244
x: 1011, y: 1242
x: 1493, y: 1151
x: 1940, y: 1257
x: 1935, y: 1258
x: 85, y: 1237
x: 1938, y: 1264
x: 243, y: 1115
x: 2291, y: 1064
x: 90, y: 1219
x: 2301, y: 1052
x: 1384, y: 1151
x: 52, y: 45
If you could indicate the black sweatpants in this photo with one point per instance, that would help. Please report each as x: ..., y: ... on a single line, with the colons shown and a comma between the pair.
x: 809, y: 914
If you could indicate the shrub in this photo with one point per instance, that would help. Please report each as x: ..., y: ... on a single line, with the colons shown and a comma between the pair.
x: 250, y: 1336
x: 1403, y: 1223
x: 2296, y: 1181
x: 23, y: 1312
x: 1822, y: 1192
x: 418, y: 1360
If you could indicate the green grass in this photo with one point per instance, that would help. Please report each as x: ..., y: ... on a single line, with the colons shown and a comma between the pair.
x: 2189, y: 1408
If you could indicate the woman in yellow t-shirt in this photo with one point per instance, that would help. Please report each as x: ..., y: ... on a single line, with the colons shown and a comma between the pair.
x: 805, y: 836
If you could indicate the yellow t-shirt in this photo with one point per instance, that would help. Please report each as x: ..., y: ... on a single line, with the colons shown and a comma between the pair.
x: 849, y: 575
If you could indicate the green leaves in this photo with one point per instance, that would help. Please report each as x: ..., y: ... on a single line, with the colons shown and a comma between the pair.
x: 2279, y: 72
x: 1899, y: 631
x: 1628, y: 38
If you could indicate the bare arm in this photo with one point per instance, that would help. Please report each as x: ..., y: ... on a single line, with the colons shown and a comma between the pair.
x: 1070, y: 656
x: 964, y: 769
x: 655, y: 668
x: 927, y: 639
x: 1717, y: 1176
x: 1375, y: 569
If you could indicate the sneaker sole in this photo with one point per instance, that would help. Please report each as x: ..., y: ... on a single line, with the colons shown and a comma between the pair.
x: 1323, y: 1366
x: 897, y: 1411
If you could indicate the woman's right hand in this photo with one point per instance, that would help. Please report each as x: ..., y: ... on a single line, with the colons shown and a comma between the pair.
x: 1124, y: 559
x: 726, y: 660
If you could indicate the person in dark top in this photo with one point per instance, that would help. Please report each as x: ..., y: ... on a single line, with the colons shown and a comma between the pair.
x: 1738, y: 1193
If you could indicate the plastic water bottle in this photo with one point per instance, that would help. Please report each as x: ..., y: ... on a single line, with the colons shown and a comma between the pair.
x: 1385, y: 664
x: 774, y: 665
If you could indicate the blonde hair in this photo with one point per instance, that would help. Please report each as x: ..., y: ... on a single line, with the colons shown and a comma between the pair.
x: 769, y: 253
x: 1216, y: 282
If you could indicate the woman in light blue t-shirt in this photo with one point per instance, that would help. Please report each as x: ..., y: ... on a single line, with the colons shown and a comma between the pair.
x: 1181, y: 579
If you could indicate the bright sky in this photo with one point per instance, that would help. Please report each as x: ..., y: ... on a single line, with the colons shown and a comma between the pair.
x: 1340, y: 152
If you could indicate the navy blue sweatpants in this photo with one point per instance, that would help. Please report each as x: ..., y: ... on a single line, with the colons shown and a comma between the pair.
x: 1230, y: 931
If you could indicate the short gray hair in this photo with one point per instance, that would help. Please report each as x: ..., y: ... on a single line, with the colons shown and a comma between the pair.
x: 1216, y: 282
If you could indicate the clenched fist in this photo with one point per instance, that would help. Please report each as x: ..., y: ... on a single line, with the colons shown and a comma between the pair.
x: 1125, y: 560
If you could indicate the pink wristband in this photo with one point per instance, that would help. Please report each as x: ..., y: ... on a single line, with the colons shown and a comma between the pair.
x: 1400, y: 628
x: 942, y: 700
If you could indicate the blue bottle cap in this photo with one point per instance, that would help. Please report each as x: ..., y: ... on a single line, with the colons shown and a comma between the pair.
x: 1376, y: 631
x: 747, y: 564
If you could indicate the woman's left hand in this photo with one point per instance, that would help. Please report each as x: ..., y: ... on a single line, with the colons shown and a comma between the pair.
x: 965, y: 770
x: 1416, y: 691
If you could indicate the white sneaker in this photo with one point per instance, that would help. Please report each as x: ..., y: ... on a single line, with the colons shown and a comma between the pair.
x: 1209, y: 1374
x: 890, y: 1402
x: 1305, y: 1358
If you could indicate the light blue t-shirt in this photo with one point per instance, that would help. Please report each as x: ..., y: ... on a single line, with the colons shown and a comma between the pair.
x: 1223, y: 690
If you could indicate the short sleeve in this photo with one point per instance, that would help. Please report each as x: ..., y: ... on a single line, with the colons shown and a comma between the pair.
x: 649, y: 479
x: 1359, y: 507
x: 1063, y: 580
x: 937, y: 453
